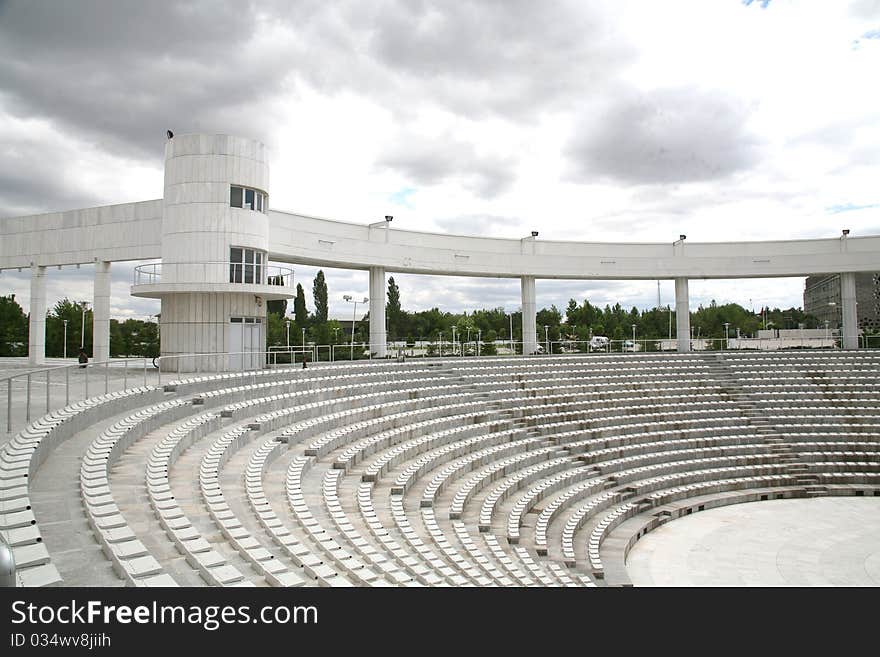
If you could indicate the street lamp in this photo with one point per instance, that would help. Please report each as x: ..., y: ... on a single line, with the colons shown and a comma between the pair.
x: 304, y: 339
x: 65, y: 337
x: 634, y: 337
x: 288, y: 335
x: 351, y: 299
x: 511, y: 333
x: 479, y: 340
x: 85, y: 306
x: 726, y: 335
x: 453, y: 340
x: 546, y: 340
x: 386, y: 224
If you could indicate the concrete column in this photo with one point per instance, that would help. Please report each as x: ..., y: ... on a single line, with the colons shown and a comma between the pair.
x: 377, y: 311
x: 101, y: 312
x: 529, y: 328
x: 682, y: 315
x: 37, y: 324
x: 849, y: 314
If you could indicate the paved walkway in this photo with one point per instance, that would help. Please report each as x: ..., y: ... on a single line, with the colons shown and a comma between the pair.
x: 828, y: 541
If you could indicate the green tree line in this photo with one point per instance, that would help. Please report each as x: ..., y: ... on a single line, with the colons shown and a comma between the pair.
x: 130, y: 337
x: 579, y: 321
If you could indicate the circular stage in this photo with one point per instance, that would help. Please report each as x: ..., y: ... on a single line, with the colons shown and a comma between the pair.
x: 826, y: 541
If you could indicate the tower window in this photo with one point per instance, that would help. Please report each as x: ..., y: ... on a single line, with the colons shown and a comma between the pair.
x: 246, y: 266
x: 249, y: 199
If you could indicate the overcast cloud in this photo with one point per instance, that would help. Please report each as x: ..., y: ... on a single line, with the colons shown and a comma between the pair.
x: 633, y: 120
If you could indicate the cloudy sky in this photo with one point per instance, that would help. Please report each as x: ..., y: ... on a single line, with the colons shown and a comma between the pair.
x: 631, y: 120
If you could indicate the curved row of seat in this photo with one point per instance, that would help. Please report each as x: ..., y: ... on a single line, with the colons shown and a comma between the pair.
x: 22, y: 456
x: 484, y: 472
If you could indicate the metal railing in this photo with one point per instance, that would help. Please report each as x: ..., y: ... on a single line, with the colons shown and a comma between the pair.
x: 49, y: 388
x: 213, y: 272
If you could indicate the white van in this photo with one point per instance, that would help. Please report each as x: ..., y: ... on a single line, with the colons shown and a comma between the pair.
x: 599, y: 343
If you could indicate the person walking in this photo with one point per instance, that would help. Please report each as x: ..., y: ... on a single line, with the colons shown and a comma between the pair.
x: 83, y: 358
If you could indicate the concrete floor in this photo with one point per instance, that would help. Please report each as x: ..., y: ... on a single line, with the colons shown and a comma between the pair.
x: 826, y: 541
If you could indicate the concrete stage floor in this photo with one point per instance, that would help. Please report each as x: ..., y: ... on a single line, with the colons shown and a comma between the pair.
x: 825, y: 541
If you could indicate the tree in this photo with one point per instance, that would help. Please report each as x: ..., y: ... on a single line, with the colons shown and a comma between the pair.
x: 133, y: 337
x: 278, y: 306
x: 13, y: 327
x: 276, y: 330
x: 73, y: 313
x: 393, y: 314
x: 319, y: 292
x: 487, y: 347
x: 299, y: 307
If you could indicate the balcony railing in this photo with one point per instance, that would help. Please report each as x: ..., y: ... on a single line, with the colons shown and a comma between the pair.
x: 213, y: 272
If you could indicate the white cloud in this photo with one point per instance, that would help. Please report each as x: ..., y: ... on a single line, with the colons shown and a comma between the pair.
x: 492, y: 118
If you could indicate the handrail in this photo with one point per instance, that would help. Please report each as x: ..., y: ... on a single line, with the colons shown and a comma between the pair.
x: 260, y: 273
x: 151, y: 370
x: 30, y: 375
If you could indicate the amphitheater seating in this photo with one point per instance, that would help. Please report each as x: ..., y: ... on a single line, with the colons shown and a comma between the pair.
x: 517, y: 471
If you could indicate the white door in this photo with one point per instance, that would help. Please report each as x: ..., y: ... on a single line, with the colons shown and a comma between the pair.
x: 236, y: 343
x: 246, y: 343
x: 252, y: 345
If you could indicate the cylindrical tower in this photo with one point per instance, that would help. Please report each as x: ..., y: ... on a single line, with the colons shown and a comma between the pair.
x: 214, y: 278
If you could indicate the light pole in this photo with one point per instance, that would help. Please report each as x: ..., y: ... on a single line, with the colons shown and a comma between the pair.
x: 288, y: 335
x: 479, y: 340
x: 726, y: 335
x: 304, y: 339
x: 546, y: 340
x: 82, y: 344
x: 511, y: 333
x: 453, y: 340
x: 351, y: 299
x: 634, y: 337
x: 65, y: 337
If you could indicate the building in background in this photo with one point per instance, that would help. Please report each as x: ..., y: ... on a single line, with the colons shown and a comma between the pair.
x: 822, y: 299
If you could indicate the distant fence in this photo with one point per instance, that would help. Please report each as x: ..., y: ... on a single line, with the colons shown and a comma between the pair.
x: 31, y: 393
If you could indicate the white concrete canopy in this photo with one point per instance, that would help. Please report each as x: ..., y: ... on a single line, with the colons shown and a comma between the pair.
x: 194, y: 226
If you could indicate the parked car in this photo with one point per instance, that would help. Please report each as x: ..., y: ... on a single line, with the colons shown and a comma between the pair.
x: 599, y: 343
